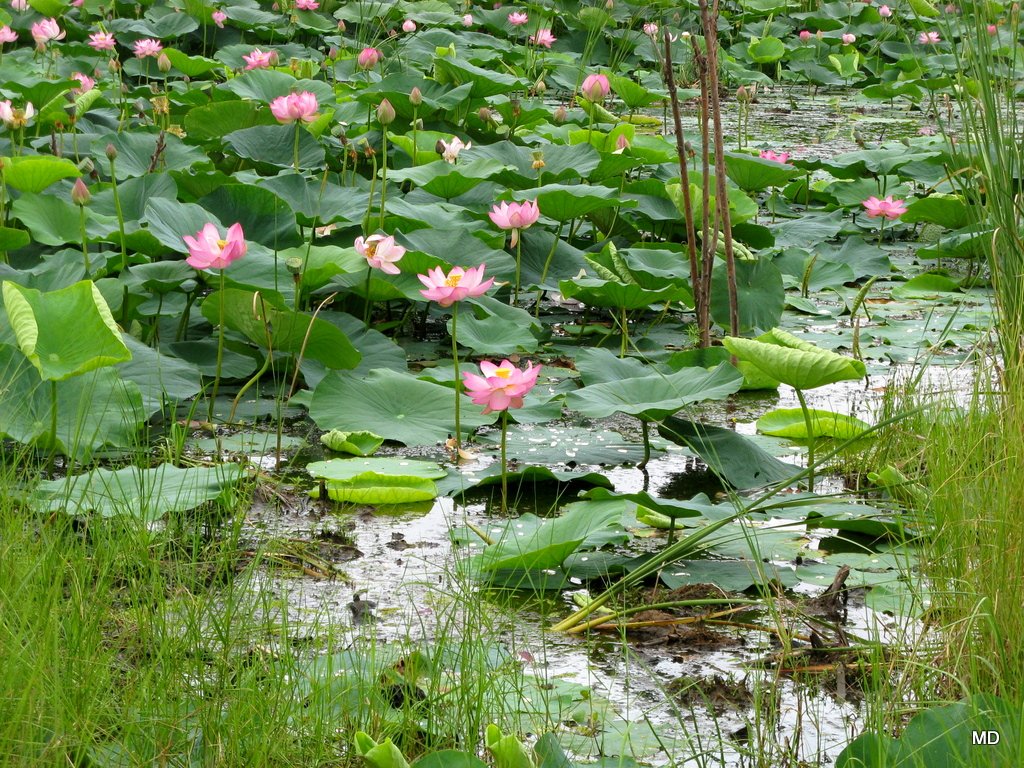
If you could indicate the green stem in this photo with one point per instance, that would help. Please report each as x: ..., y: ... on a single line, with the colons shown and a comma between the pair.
x: 624, y: 324
x: 458, y: 381
x: 295, y: 148
x: 810, y: 440
x: 220, y: 348
x: 85, y: 242
x: 384, y: 175
x: 647, y: 444
x: 366, y: 297
x: 53, y: 425
x: 547, y: 266
x: 519, y: 263
x: 120, y: 218
x: 504, y: 462
x: 415, y: 145
x: 255, y: 377
x: 373, y: 189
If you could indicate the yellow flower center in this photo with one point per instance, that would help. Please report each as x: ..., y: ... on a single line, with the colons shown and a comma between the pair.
x: 453, y: 280
x: 222, y: 244
x: 371, y: 249
x: 503, y: 372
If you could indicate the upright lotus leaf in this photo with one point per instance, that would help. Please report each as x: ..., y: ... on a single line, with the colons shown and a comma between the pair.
x: 797, y: 363
x: 508, y: 751
x: 64, y: 332
x: 658, y: 396
x: 766, y: 50
x: 36, y: 173
x: 753, y: 174
x: 761, y: 295
x: 147, y: 494
x: 360, y: 443
x: 383, y: 755
x: 394, y: 405
x: 260, y: 317
x: 94, y: 410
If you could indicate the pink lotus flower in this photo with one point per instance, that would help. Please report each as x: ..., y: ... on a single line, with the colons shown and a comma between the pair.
x: 467, y: 20
x: 595, y: 88
x: 102, y: 41
x: 7, y: 35
x: 849, y: 38
x: 408, y: 25
x: 502, y: 386
x: 517, y: 18
x: 651, y: 29
x: 381, y: 252
x: 991, y: 29
x: 515, y: 216
x: 621, y: 144
x: 805, y: 35
x: 147, y: 47
x: 207, y: 250
x: 219, y: 17
x: 19, y: 5
x: 455, y: 286
x: 368, y: 58
x: 543, y: 37
x: 259, y: 59
x: 295, y: 106
x: 884, y: 11
x: 307, y: 5
x: 450, y: 149
x: 46, y: 30
x: 889, y: 208
x: 85, y: 83
x: 929, y: 38
x: 13, y: 117
x: 778, y: 157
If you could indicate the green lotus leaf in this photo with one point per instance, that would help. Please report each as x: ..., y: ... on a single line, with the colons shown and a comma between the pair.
x: 760, y: 292
x: 797, y: 363
x: 357, y: 443
x: 753, y: 377
x: 95, y: 410
x: 275, y: 145
x: 191, y: 66
x: 396, y: 406
x: 449, y: 758
x: 562, y: 202
x: 790, y: 422
x: 147, y: 494
x: 484, y: 82
x: 41, y: 321
x: 948, y: 210
x: 36, y: 173
x: 449, y: 180
x: 733, y: 457
x: 386, y: 480
x: 382, y: 755
x: 753, y: 174
x: 256, y: 316
x: 614, y: 294
x: 654, y: 397
x: 766, y: 50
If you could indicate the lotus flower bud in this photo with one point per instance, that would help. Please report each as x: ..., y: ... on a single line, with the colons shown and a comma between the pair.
x: 415, y: 97
x: 341, y: 25
x: 111, y: 152
x: 80, y: 194
x: 560, y: 114
x: 743, y: 95
x: 114, y: 65
x: 385, y: 113
x: 189, y: 285
x: 163, y: 63
x: 539, y: 87
x: 485, y: 114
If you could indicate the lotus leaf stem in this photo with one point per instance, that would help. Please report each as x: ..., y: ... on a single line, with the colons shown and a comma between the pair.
x: 220, y: 348
x: 458, y: 382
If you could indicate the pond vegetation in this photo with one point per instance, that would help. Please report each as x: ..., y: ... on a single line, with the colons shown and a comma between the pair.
x: 535, y: 385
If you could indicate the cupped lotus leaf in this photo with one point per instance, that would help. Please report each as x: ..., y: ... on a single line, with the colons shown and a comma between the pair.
x: 760, y: 292
x: 264, y: 321
x: 766, y: 50
x: 357, y: 443
x: 654, y: 397
x: 455, y: 485
x: 147, y: 494
x: 562, y: 202
x: 382, y: 755
x: 191, y: 66
x: 508, y: 751
x: 753, y: 174
x: 41, y: 324
x: 386, y: 480
x: 136, y: 150
x: 797, y: 363
x: 36, y: 173
x: 614, y: 294
x: 488, y: 334
x: 265, y: 217
x: 632, y: 94
x: 929, y: 285
x: 213, y: 122
x: 790, y: 422
x: 484, y: 82
x: 95, y: 410
x: 598, y: 366
x: 396, y: 406
x: 753, y: 377
x: 275, y: 145
x: 733, y: 457
x: 265, y: 85
x: 449, y: 180
x: 434, y: 96
x: 951, y: 211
